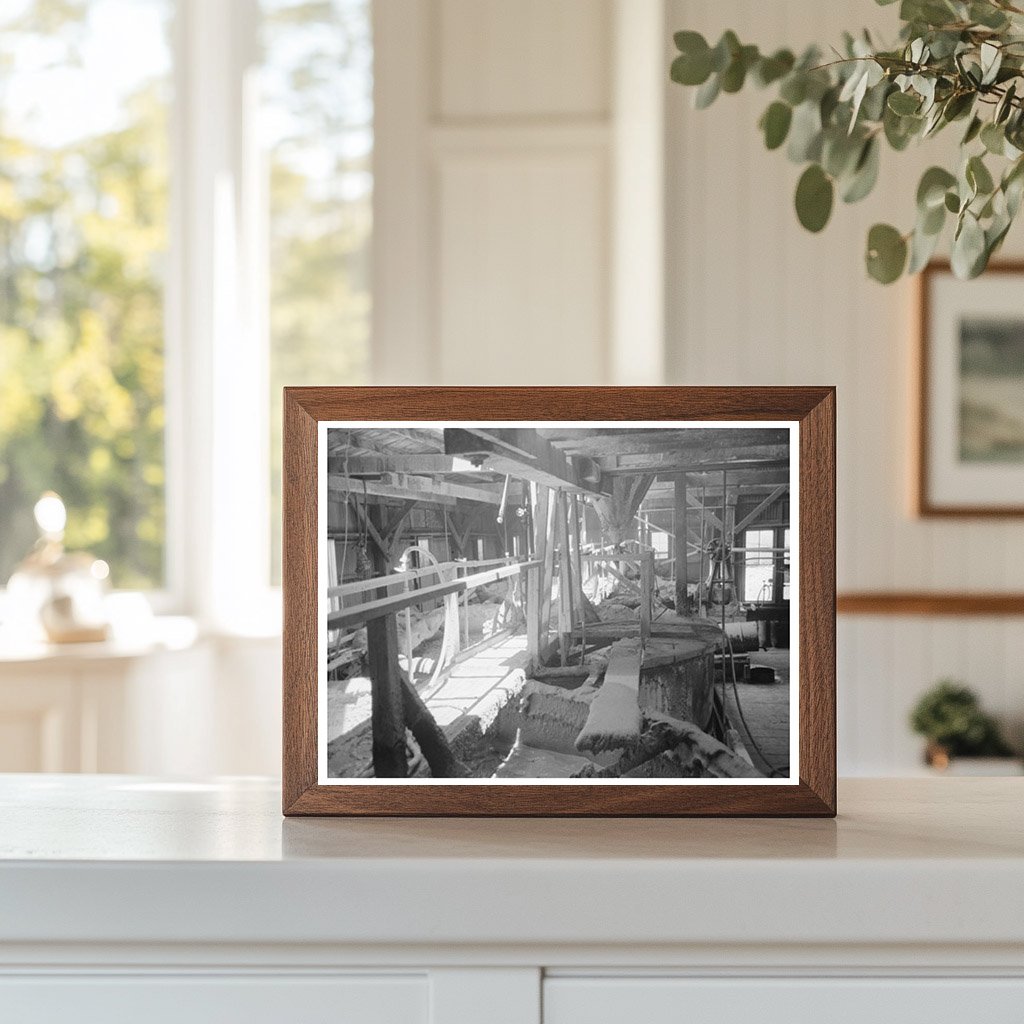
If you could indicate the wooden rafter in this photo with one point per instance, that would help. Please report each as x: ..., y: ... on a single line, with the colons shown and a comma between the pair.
x: 418, y: 488
x: 524, y: 455
x: 760, y: 507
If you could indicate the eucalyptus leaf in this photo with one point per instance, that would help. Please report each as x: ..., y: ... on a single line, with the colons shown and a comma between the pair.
x: 985, y: 14
x: 993, y: 138
x: 991, y: 60
x: 814, y: 196
x: 931, y: 190
x: 973, y: 130
x: 771, y: 69
x: 724, y: 51
x: 794, y: 88
x: 805, y: 133
x: 865, y: 174
x: 978, y: 176
x: 707, y: 93
x: 886, y: 253
x: 922, y: 247
x: 904, y: 103
x: 775, y: 124
x: 968, y: 248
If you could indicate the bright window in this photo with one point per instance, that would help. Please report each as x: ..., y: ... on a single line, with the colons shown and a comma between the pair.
x: 759, y: 565
x: 83, y: 236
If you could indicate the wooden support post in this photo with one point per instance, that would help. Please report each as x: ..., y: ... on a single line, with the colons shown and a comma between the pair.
x: 703, y: 544
x: 681, y: 525
x: 581, y: 607
x: 646, y: 592
x: 387, y: 713
x: 547, y: 524
x: 533, y: 603
x: 540, y: 499
x: 564, y: 579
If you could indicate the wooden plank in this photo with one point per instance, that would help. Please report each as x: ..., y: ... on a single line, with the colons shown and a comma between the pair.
x: 371, y: 610
x: 418, y: 488
x: 644, y: 441
x: 398, y: 578
x: 614, y: 720
x: 668, y: 470
x: 358, y: 466
x: 525, y: 455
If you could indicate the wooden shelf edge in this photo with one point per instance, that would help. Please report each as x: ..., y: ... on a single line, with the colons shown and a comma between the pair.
x: 912, y: 603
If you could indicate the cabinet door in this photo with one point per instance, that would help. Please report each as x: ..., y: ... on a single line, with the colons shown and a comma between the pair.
x: 205, y: 999
x: 570, y: 1000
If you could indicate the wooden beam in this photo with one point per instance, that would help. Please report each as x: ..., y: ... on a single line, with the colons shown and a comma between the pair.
x: 358, y: 466
x: 371, y: 610
x: 634, y: 441
x: 646, y: 593
x: 400, y: 578
x: 579, y: 597
x: 698, y: 456
x: 759, y: 508
x: 369, y: 524
x: 415, y: 488
x: 387, y: 713
x: 525, y: 455
x: 540, y: 498
x: 548, y: 574
x: 533, y: 606
x: 430, y: 736
x: 669, y: 470
x: 681, y: 554
x: 564, y: 580
x: 661, y: 495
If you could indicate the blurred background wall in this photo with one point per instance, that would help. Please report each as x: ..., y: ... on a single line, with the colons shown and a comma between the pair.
x: 415, y: 191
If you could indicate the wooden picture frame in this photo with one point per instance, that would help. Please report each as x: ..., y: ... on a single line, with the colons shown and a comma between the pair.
x: 933, y: 469
x: 809, y: 412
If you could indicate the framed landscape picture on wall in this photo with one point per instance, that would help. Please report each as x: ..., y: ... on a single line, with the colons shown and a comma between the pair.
x: 574, y: 601
x: 970, y: 450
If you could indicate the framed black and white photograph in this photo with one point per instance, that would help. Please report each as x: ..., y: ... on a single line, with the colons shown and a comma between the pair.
x: 970, y: 452
x: 558, y: 614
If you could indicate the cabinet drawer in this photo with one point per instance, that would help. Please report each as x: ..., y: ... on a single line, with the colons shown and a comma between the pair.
x: 202, y: 999
x: 571, y: 1000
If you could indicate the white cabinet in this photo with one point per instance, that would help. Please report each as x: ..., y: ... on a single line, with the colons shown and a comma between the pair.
x: 202, y: 999
x: 127, y: 899
x: 824, y: 1000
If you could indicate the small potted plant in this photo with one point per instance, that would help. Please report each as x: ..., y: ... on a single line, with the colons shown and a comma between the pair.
x: 950, y: 718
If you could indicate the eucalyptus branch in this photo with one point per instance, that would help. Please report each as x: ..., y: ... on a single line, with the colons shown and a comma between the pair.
x: 954, y: 60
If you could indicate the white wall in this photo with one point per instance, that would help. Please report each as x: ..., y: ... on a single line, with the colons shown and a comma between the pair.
x: 498, y: 204
x: 754, y: 299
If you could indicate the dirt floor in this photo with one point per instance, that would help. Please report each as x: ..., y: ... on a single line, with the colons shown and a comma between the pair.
x: 766, y: 709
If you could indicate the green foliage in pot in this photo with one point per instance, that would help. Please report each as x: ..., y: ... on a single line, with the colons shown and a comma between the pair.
x: 950, y: 717
x: 957, y: 62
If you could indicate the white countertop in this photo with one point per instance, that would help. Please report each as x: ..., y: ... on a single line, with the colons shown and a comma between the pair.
x: 123, y: 859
